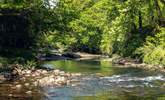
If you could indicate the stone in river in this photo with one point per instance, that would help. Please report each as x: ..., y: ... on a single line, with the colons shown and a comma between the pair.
x: 18, y: 86
x: 29, y: 92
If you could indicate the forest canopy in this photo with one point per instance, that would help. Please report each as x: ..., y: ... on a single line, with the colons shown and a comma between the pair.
x: 129, y: 28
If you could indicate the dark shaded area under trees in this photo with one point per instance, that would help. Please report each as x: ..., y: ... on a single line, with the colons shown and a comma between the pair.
x: 14, y: 29
x: 129, y: 28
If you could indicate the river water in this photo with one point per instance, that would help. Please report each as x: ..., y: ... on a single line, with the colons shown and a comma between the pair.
x: 101, y: 80
x: 104, y: 81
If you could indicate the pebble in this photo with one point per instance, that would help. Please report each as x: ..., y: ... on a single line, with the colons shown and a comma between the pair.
x: 23, y: 78
x: 35, y: 83
x: 56, y: 71
x: 27, y: 84
x: 68, y: 74
x: 27, y: 75
x: 28, y: 92
x: 2, y: 77
x: 76, y: 74
x: 28, y: 72
x: 51, y: 76
x: 34, y: 75
x: 44, y: 72
x: 18, y: 86
x: 99, y: 75
x: 10, y: 95
x: 41, y: 78
x: 37, y: 74
x: 38, y: 71
x: 62, y: 72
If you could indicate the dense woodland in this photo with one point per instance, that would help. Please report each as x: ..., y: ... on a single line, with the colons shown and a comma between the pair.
x: 128, y: 28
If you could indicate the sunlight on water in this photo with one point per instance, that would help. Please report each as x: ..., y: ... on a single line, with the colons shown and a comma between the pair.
x: 113, y: 84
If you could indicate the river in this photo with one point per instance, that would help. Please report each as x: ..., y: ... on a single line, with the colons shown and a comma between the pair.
x: 100, y: 80
x: 104, y: 81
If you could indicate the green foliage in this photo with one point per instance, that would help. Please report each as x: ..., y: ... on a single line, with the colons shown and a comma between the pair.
x: 97, y: 26
x: 153, y: 50
x: 132, y: 44
x: 30, y: 64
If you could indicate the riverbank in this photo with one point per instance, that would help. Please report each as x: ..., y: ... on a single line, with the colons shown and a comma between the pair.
x: 29, y: 82
x: 54, y: 77
x: 37, y: 77
x: 68, y: 56
x: 95, y: 78
x: 128, y: 62
x: 124, y: 62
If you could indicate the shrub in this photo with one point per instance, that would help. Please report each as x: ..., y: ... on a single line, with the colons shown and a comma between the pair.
x: 153, y: 51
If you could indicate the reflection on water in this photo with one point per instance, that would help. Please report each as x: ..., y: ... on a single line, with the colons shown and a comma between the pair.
x: 100, y: 81
x: 86, y: 66
x: 17, y: 91
x: 115, y: 84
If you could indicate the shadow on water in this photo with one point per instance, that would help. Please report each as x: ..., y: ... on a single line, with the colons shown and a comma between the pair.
x: 93, y: 67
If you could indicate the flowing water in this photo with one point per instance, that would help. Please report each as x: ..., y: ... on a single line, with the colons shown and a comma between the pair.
x: 104, y: 81
x: 101, y: 80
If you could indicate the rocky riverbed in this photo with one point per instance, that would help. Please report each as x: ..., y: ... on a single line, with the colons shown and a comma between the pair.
x: 38, y: 77
x: 127, y: 62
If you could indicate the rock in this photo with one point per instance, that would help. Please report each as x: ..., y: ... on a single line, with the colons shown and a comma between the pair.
x: 44, y: 72
x: 99, y: 75
x: 29, y: 92
x: 122, y: 62
x: 51, y: 80
x: 34, y: 75
x: 14, y: 73
x: 149, y: 66
x: 23, y: 72
x: 143, y: 64
x: 160, y: 66
x: 2, y: 78
x: 68, y: 75
x: 76, y: 74
x: 51, y: 76
x: 26, y: 84
x: 10, y: 95
x: 74, y: 85
x: 8, y: 76
x: 27, y: 75
x: 35, y: 83
x: 23, y: 78
x: 18, y: 86
x: 62, y: 73
x: 61, y: 80
x: 56, y: 72
x: 28, y: 72
x: 38, y: 71
x: 54, y: 78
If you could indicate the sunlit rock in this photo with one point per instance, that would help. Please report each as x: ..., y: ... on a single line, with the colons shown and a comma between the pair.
x: 29, y: 92
x: 27, y: 84
x: 18, y: 86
